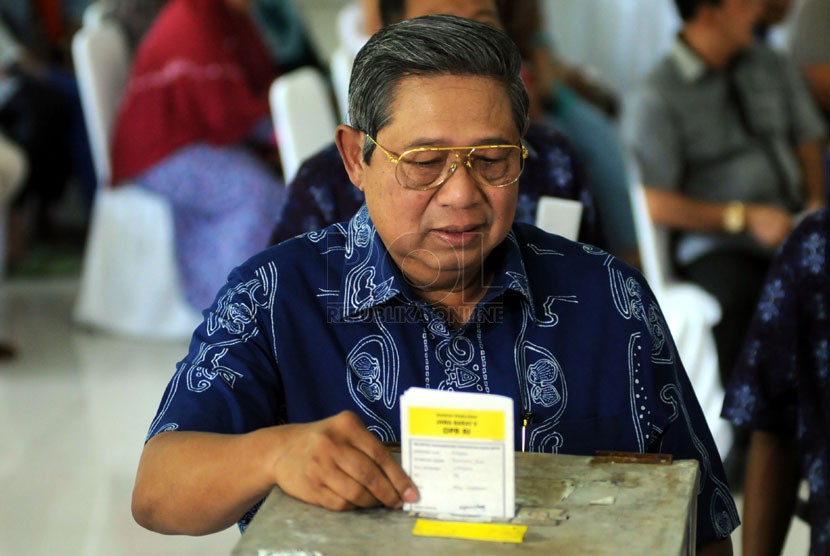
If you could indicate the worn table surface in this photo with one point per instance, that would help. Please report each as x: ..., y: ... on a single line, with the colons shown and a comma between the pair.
x: 571, y: 505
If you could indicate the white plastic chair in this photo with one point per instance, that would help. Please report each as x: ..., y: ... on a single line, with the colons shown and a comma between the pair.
x: 303, y: 115
x: 94, y: 13
x: 129, y: 279
x: 559, y: 216
x: 690, y: 313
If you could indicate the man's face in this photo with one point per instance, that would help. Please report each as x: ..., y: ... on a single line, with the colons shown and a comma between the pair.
x: 440, y: 237
x: 483, y: 11
x: 736, y: 20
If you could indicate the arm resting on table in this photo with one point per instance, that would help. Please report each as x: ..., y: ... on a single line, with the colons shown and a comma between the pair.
x: 197, y: 483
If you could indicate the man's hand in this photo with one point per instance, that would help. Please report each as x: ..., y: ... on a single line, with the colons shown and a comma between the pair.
x: 769, y: 225
x: 336, y: 463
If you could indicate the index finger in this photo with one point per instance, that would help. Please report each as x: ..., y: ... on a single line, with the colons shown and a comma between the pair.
x: 394, y: 486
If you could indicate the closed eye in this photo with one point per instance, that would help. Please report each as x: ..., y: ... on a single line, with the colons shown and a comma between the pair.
x: 426, y: 163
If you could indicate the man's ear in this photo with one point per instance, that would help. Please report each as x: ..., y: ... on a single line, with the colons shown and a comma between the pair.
x: 349, y: 143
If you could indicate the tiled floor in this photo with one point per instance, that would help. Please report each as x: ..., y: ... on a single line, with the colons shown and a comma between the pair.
x: 74, y: 409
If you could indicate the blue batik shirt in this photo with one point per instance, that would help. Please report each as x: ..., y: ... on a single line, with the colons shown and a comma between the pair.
x: 325, y: 322
x: 781, y: 383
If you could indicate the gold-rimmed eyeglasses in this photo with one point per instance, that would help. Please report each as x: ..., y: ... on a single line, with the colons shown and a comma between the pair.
x: 429, y: 167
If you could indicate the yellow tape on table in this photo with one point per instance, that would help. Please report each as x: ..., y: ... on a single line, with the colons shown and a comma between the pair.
x: 492, y: 532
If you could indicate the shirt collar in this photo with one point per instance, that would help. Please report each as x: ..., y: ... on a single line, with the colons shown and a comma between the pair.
x: 370, y: 277
x: 690, y: 65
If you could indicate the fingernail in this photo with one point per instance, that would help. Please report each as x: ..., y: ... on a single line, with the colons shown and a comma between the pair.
x: 410, y: 495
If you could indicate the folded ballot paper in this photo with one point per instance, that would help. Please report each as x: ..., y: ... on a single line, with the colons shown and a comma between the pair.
x: 458, y: 449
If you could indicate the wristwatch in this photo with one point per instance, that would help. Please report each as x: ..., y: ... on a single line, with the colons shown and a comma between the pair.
x: 734, y: 217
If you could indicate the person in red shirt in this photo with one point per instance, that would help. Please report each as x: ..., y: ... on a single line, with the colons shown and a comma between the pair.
x: 193, y: 126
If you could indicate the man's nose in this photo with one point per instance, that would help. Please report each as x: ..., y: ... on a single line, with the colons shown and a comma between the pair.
x: 460, y: 188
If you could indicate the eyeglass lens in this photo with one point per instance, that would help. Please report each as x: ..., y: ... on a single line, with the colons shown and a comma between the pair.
x: 494, y: 166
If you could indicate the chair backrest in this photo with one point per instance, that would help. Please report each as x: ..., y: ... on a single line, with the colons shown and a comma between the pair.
x: 303, y: 115
x: 102, y: 63
x: 94, y: 13
x: 559, y: 216
x: 652, y: 240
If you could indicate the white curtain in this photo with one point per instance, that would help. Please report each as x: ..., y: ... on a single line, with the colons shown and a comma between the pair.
x: 618, y: 39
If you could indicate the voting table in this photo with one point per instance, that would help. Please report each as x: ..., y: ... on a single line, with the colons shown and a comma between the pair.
x: 607, y: 504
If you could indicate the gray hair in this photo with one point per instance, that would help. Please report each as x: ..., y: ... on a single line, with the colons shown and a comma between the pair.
x: 432, y: 45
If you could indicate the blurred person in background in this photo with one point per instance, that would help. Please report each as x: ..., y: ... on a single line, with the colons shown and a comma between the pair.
x: 40, y: 110
x: 581, y: 108
x: 780, y: 392
x: 194, y: 126
x: 728, y: 141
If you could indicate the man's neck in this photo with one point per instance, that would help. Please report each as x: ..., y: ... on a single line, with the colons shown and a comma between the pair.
x: 713, y: 51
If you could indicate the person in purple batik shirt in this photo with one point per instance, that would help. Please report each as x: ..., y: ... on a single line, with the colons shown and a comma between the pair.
x: 780, y: 390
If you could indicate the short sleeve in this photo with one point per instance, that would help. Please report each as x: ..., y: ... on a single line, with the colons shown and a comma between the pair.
x: 652, y: 136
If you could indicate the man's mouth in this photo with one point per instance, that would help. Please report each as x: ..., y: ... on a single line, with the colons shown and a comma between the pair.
x: 459, y: 236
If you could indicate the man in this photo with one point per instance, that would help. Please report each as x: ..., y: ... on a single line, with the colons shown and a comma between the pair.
x: 295, y: 375
x: 728, y: 144
x: 780, y: 391
x: 321, y: 193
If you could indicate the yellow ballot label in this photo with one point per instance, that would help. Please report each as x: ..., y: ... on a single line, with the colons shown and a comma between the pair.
x: 491, y: 532
x: 456, y: 423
